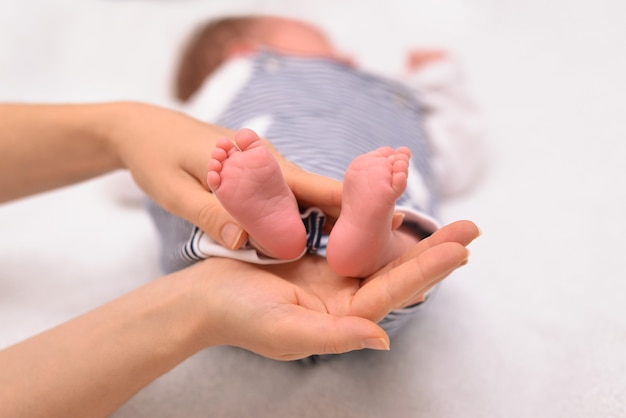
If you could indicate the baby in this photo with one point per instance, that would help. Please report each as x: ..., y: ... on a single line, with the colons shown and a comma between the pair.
x: 398, y: 148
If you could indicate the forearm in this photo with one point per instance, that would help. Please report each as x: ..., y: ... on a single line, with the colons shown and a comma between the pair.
x: 48, y: 146
x: 93, y: 364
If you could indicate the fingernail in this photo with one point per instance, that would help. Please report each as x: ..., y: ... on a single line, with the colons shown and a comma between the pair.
x: 231, y: 234
x: 375, y: 344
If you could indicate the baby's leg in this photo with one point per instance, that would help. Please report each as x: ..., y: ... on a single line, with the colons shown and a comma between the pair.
x: 247, y: 180
x: 362, y: 240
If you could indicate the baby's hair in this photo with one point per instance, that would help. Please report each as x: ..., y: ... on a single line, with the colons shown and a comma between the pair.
x: 206, y: 51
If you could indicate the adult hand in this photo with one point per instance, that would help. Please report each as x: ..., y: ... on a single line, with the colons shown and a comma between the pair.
x: 293, y: 310
x: 168, y: 153
x: 92, y: 364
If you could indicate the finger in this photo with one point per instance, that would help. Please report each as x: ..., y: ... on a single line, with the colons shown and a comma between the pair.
x: 462, y: 232
x: 314, y: 189
x: 392, y: 289
x: 301, y: 332
x: 420, y: 297
x: 190, y: 201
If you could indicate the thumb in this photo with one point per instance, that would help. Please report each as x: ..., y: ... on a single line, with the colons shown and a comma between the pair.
x: 203, y: 209
x: 312, y: 332
x: 212, y: 218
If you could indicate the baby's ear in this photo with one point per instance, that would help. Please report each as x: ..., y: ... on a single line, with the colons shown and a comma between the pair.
x: 241, y: 48
x: 347, y: 60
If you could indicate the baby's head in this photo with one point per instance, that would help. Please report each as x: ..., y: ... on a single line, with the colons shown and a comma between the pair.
x: 229, y: 37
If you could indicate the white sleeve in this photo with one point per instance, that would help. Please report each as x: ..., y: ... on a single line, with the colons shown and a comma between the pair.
x: 453, y: 123
x: 219, y: 90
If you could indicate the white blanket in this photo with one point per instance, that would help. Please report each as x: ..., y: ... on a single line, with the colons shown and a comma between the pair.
x: 534, y: 326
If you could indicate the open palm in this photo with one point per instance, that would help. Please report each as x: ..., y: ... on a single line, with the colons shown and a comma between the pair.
x: 293, y: 310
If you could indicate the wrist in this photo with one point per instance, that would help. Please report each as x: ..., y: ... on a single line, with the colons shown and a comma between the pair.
x: 181, y: 309
x: 207, y: 316
x: 112, y: 126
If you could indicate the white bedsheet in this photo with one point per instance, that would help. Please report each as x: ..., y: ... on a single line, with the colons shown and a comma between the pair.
x: 534, y: 326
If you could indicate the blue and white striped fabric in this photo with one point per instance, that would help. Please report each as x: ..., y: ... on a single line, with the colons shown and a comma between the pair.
x: 322, y: 114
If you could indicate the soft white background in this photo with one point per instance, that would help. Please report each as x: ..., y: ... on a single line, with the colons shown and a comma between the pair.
x: 535, y: 326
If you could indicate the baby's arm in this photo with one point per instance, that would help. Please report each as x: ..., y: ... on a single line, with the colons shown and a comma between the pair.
x: 452, y: 120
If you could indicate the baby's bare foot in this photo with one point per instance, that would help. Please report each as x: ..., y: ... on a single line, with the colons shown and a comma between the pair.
x: 362, y: 240
x: 247, y: 180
